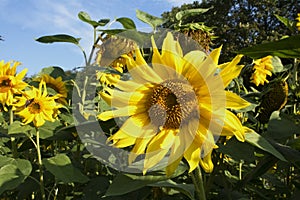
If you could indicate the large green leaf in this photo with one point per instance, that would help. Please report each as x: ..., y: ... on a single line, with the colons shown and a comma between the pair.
x: 284, y: 48
x: 238, y: 150
x: 149, y: 19
x: 260, y: 142
x: 125, y: 183
x: 17, y: 128
x: 13, y: 172
x: 53, y: 71
x: 61, y: 167
x: 58, y: 38
x: 186, y: 13
x: 281, y: 127
x: 126, y: 22
x: 187, y: 189
x: 83, y: 16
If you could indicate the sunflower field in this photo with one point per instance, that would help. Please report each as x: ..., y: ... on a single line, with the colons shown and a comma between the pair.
x: 156, y: 115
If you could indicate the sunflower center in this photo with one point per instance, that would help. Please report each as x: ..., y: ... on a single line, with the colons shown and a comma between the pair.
x: 34, y: 107
x: 172, y: 103
x: 5, y: 84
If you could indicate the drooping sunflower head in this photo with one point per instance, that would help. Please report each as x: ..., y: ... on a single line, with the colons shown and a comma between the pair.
x: 263, y: 67
x: 56, y: 84
x: 10, y: 82
x: 35, y: 105
x: 176, y: 106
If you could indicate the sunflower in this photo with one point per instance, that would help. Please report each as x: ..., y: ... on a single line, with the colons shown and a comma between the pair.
x: 36, y: 106
x: 57, y: 85
x: 298, y: 22
x: 262, y: 67
x: 10, y: 82
x: 176, y: 107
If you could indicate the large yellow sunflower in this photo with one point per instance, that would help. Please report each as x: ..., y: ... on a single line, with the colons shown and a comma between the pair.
x: 176, y: 106
x: 58, y: 85
x: 36, y: 106
x: 10, y: 82
x: 262, y: 67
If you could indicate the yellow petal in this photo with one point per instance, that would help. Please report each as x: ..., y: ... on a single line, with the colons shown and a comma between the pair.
x: 235, y: 102
x: 121, y: 112
x: 215, y: 54
x: 207, y: 164
x: 192, y: 156
x: 233, y: 126
x: 231, y: 70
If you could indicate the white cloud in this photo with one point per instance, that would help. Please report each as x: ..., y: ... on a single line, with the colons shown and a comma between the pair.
x: 180, y: 2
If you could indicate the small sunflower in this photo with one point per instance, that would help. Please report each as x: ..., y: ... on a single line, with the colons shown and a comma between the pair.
x: 10, y: 82
x: 176, y: 107
x: 298, y: 22
x: 58, y: 85
x: 36, y: 106
x: 262, y: 67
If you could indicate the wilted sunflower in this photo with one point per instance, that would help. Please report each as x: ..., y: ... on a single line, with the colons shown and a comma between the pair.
x: 176, y: 107
x: 36, y: 106
x: 10, y: 82
x: 262, y: 67
x: 58, y: 85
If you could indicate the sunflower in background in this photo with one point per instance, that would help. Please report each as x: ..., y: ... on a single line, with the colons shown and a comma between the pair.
x: 176, y: 108
x: 263, y: 67
x: 298, y: 22
x: 35, y: 105
x: 57, y: 84
x: 10, y: 82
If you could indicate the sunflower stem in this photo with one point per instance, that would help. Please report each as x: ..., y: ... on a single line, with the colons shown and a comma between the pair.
x: 13, y: 139
x: 40, y: 164
x: 197, y: 179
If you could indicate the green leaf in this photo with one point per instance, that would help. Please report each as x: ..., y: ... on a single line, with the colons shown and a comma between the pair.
x: 16, y: 128
x: 190, y: 12
x: 83, y: 16
x: 261, y: 143
x: 103, y: 22
x: 277, y: 65
x: 237, y: 150
x: 281, y: 127
x: 53, y: 71
x: 61, y: 167
x: 187, y: 189
x: 58, y: 38
x: 126, y: 22
x: 149, y: 19
x: 125, y: 183
x: 49, y: 128
x: 13, y: 172
x: 284, y: 48
x: 288, y: 23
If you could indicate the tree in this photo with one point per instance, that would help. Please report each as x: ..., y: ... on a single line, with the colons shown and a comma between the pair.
x: 240, y: 23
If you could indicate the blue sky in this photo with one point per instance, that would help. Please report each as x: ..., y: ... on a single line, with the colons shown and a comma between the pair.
x: 23, y: 21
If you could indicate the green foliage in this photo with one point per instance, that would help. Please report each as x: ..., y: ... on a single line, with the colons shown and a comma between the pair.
x: 13, y: 172
x: 149, y: 19
x: 58, y: 38
x: 61, y: 167
x: 284, y: 48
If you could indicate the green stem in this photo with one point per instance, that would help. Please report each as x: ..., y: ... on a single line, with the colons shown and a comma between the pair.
x: 84, y: 54
x: 197, y: 179
x: 93, y: 48
x: 13, y: 139
x: 40, y: 164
